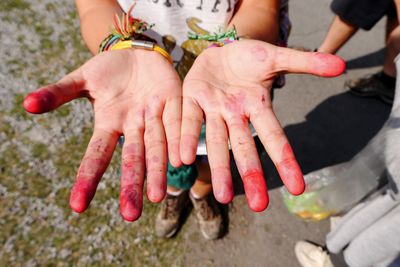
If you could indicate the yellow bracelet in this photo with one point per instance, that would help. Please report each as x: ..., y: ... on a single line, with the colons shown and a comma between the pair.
x: 143, y: 45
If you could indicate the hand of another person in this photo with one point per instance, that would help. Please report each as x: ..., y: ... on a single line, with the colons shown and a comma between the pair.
x: 230, y: 86
x: 136, y: 93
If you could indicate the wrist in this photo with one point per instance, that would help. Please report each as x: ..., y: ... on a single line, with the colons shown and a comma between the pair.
x: 128, y: 33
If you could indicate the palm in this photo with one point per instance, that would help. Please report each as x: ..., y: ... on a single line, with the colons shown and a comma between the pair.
x: 231, y: 86
x: 137, y: 94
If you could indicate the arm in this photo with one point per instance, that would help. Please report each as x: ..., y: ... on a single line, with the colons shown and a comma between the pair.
x: 257, y: 19
x: 132, y: 91
x: 230, y: 86
x: 397, y: 3
x: 96, y: 18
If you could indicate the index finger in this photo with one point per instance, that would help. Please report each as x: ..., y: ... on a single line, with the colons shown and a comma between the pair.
x: 92, y: 168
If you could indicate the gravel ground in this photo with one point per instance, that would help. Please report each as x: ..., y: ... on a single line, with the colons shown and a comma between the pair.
x: 40, y: 42
x: 39, y: 155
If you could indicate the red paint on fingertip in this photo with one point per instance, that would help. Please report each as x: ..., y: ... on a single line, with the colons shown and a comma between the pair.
x: 290, y: 171
x: 40, y: 102
x: 82, y: 194
x: 292, y: 177
x: 156, y: 195
x: 224, y: 196
x: 256, y: 190
x: 328, y: 65
x: 131, y: 205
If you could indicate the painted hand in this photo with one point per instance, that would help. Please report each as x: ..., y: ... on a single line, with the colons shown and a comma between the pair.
x: 231, y: 86
x: 136, y: 93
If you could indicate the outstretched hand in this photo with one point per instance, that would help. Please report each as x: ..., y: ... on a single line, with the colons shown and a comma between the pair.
x: 230, y: 86
x: 136, y: 93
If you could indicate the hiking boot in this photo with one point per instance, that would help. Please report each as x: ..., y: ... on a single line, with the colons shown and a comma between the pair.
x: 310, y: 255
x: 168, y: 218
x: 371, y: 86
x: 208, y: 215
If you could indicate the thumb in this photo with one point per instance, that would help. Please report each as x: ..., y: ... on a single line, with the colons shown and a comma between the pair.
x: 320, y: 64
x: 54, y: 95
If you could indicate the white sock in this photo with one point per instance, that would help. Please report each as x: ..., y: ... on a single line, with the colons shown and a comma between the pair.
x: 174, y: 193
x: 196, y: 196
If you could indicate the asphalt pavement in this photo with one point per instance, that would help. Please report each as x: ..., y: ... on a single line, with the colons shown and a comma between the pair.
x: 325, y: 125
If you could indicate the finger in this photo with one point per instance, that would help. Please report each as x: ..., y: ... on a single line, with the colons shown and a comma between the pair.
x: 132, y: 176
x: 218, y: 157
x: 320, y: 64
x: 52, y: 96
x: 248, y: 163
x: 172, y: 117
x: 156, y: 155
x: 275, y: 142
x: 192, y: 119
x: 93, y: 165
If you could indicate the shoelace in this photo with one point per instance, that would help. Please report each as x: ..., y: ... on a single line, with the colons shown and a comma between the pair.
x: 170, y: 203
x: 205, y: 208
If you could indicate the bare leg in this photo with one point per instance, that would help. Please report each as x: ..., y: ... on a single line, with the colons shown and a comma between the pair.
x: 202, y: 187
x: 392, y: 46
x: 338, y: 34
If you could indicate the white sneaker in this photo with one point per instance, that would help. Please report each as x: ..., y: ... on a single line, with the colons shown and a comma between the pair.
x: 310, y: 255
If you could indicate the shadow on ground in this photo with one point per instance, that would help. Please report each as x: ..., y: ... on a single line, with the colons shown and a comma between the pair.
x: 333, y: 132
x: 373, y: 59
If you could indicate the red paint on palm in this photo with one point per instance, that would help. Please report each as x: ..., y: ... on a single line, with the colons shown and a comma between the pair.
x: 328, y: 65
x: 256, y: 190
x: 290, y: 172
x: 82, y: 193
x: 40, y: 102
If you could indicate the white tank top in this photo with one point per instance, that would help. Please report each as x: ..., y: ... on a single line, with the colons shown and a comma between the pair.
x: 173, y: 19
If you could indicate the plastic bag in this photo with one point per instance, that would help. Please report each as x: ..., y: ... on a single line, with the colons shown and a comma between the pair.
x: 335, y: 189
x: 338, y: 188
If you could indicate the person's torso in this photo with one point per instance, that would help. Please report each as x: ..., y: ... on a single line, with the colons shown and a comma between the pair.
x: 173, y: 19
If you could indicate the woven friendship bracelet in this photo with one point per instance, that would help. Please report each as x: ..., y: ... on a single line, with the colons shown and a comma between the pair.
x: 217, y: 39
x: 128, y: 33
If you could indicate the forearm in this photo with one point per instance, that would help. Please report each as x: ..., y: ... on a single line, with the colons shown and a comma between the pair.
x: 257, y: 19
x: 96, y: 18
x: 397, y: 3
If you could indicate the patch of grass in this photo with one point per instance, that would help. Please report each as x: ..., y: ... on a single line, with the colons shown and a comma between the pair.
x: 69, y: 155
x: 63, y: 111
x: 16, y: 67
x: 40, y: 151
x: 9, y: 5
x: 6, y: 128
x: 17, y: 109
x: 9, y: 161
x: 36, y: 185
